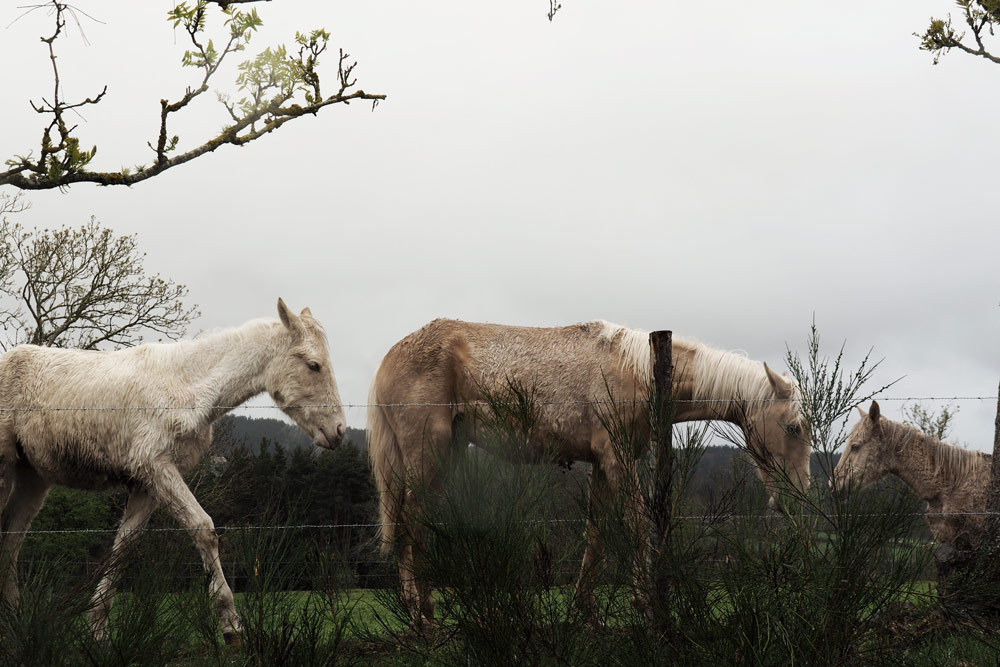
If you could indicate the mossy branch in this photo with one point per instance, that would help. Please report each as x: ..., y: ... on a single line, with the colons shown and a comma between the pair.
x: 981, y: 18
x: 278, y: 87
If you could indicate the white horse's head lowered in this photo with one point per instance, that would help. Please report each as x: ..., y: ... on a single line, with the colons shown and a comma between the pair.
x: 866, y: 455
x: 300, y: 379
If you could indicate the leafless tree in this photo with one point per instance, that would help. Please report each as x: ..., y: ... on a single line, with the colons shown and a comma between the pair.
x: 83, y: 287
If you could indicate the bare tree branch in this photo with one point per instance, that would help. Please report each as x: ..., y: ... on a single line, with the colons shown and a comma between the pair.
x: 554, y: 6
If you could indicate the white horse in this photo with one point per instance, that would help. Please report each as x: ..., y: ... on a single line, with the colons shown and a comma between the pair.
x: 142, y: 417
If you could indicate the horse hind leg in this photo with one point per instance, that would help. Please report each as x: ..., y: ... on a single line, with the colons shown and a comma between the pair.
x: 425, y: 454
x: 597, y: 507
x: 23, y: 502
x: 137, y: 512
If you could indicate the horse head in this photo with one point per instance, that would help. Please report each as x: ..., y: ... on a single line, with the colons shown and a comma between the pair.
x: 300, y: 379
x: 779, y: 436
x: 863, y: 460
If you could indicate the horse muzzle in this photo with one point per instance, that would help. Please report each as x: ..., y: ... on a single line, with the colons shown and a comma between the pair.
x: 330, y: 438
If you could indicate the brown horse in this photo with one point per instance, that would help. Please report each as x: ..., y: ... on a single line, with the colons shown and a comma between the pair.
x: 953, y: 481
x: 438, y: 377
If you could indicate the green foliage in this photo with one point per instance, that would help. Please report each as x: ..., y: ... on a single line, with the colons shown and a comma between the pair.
x: 981, y: 18
x: 193, y: 20
x: 274, y: 77
x: 271, y: 81
x: 936, y: 424
x: 72, y: 510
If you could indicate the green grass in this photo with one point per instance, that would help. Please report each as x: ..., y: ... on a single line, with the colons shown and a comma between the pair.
x: 374, y: 635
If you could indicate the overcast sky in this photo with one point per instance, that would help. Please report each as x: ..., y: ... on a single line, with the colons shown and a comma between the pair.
x: 727, y: 171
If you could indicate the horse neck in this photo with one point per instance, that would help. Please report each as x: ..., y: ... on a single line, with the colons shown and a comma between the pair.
x: 230, y: 367
x: 685, y: 408
x: 914, y: 457
x: 691, y: 407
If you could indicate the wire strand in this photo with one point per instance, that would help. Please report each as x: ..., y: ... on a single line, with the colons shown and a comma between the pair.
x: 328, y: 526
x: 228, y: 408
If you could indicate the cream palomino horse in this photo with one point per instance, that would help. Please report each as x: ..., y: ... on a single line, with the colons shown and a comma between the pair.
x: 65, y: 419
x: 953, y: 481
x: 431, y: 380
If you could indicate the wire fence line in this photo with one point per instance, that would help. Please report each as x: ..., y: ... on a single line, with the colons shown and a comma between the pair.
x: 341, y: 526
x: 452, y: 404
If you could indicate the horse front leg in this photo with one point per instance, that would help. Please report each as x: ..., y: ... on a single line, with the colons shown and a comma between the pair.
x: 138, y: 509
x: 170, y: 490
x: 614, y: 490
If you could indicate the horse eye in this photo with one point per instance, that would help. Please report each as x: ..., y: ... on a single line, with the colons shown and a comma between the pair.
x: 793, y: 429
x: 313, y: 366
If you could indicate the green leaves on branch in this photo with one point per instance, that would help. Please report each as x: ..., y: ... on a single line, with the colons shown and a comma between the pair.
x: 273, y: 77
x: 981, y: 18
x: 192, y: 20
x: 276, y: 87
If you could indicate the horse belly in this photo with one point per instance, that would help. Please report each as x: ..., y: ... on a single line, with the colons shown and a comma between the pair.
x: 552, y: 440
x: 91, y: 461
x: 73, y: 467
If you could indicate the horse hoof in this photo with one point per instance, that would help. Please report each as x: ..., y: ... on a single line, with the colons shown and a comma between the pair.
x: 233, y: 638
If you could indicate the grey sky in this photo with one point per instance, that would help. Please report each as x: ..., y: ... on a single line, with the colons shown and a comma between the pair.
x: 726, y: 174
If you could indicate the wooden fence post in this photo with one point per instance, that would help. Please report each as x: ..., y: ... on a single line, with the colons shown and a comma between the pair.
x: 662, y: 506
x: 993, y: 494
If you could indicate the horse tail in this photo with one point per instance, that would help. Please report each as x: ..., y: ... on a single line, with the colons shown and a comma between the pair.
x: 387, y: 464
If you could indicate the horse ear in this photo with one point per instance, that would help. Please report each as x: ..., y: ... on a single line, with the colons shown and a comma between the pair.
x: 306, y: 313
x: 874, y: 413
x: 284, y: 314
x: 864, y: 415
x: 782, y: 387
x: 288, y: 318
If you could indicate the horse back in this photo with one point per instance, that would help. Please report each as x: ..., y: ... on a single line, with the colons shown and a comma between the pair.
x: 449, y: 364
x: 87, y: 419
x: 455, y: 360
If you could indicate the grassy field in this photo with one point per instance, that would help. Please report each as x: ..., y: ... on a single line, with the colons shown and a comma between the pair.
x: 365, y: 627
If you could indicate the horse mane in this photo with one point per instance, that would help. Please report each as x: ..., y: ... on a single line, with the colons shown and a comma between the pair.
x: 729, y: 378
x: 633, y: 349
x: 723, y: 377
x: 947, y: 462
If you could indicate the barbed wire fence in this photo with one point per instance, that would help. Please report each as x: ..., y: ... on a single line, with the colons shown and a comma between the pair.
x: 596, y: 402
x: 373, y: 562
